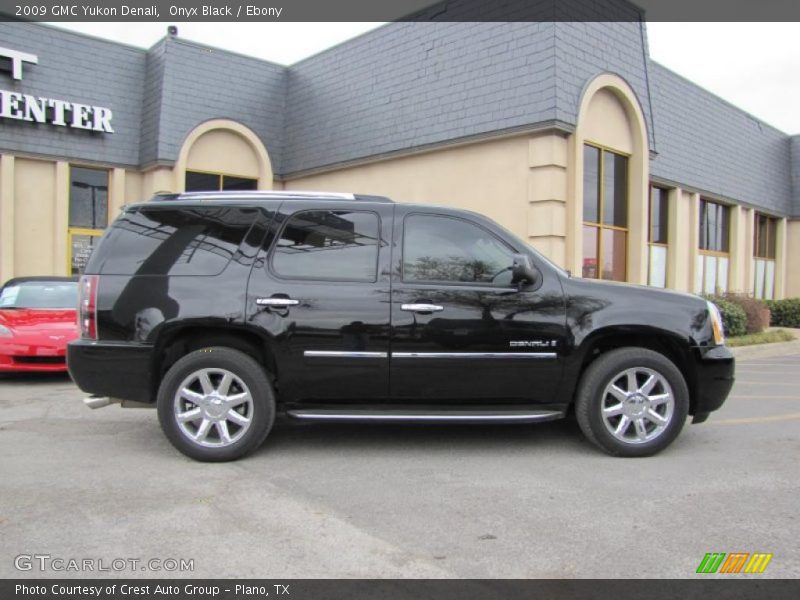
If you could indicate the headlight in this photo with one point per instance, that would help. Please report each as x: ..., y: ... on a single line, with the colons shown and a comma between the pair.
x: 5, y: 332
x: 716, y: 323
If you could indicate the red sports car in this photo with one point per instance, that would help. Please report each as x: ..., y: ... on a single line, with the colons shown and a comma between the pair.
x: 37, y: 319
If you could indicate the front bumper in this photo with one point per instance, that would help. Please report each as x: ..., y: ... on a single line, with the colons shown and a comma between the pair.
x: 25, y: 358
x: 714, y: 367
x: 114, y: 369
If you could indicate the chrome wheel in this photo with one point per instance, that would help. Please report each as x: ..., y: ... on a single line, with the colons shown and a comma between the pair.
x: 213, y: 408
x: 637, y: 405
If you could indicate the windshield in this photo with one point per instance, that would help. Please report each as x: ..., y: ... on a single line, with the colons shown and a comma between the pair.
x: 40, y: 294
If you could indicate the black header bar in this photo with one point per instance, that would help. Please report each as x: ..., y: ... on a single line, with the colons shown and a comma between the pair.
x: 393, y: 10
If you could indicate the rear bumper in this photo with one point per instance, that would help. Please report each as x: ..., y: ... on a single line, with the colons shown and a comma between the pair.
x: 118, y: 370
x: 715, y: 369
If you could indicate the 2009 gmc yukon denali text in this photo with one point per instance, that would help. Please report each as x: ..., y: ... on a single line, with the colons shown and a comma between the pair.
x: 221, y: 309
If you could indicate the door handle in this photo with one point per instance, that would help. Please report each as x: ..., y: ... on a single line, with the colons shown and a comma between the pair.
x: 282, y: 302
x: 422, y: 308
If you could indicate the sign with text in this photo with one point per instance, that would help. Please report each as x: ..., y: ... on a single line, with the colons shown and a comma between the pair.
x: 37, y: 109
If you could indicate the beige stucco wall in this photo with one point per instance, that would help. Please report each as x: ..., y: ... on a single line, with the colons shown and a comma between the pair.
x: 222, y: 146
x: 34, y: 212
x: 610, y: 116
x: 34, y: 219
x: 489, y: 177
x: 7, y: 225
x: 607, y: 123
x: 792, y: 245
x: 530, y: 183
x: 223, y: 151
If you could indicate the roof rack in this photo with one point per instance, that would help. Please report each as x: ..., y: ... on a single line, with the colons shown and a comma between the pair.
x: 265, y: 195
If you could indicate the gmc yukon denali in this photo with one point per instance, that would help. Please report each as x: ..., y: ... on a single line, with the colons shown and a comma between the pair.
x: 223, y: 309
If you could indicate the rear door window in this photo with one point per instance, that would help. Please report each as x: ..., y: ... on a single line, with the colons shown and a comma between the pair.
x: 330, y: 245
x: 176, y: 241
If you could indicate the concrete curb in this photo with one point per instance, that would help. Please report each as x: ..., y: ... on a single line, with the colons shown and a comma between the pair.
x: 766, y: 350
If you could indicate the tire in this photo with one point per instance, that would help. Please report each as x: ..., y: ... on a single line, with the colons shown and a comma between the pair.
x: 655, y: 415
x: 206, y: 387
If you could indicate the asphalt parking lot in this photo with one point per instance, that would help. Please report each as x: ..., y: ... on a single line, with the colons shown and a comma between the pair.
x: 401, y: 501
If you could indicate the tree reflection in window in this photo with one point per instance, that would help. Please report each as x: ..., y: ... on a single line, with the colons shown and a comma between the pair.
x: 330, y: 245
x: 445, y: 249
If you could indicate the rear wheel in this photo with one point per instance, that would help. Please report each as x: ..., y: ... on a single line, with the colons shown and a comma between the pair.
x: 216, y: 404
x: 632, y: 402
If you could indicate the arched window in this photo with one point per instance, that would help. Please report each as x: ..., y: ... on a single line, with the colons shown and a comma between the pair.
x: 605, y: 213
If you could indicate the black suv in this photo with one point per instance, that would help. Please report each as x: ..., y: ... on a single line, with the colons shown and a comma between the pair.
x: 222, y: 309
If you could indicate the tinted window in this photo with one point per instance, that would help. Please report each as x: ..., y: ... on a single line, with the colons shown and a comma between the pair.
x: 765, y: 234
x: 238, y: 183
x: 328, y: 244
x: 591, y: 184
x: 88, y: 198
x: 186, y: 241
x: 659, y: 215
x: 615, y: 193
x: 199, y: 181
x: 452, y: 250
x: 714, y: 225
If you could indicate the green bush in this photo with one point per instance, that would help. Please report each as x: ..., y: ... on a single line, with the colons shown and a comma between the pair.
x: 785, y: 313
x: 734, y: 319
x: 756, y: 311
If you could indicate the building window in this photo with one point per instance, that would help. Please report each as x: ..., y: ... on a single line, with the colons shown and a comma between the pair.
x: 88, y: 214
x: 657, y: 236
x: 201, y: 181
x: 605, y: 214
x: 764, y: 251
x: 711, y: 275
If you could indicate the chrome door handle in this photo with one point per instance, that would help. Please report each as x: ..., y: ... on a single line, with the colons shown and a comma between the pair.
x: 422, y: 308
x: 277, y: 302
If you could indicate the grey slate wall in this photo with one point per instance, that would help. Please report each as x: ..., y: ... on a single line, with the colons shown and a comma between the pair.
x: 709, y: 144
x: 157, y: 96
x: 585, y: 50
x: 153, y: 94
x: 396, y: 88
x: 201, y: 83
x: 81, y: 69
x: 410, y: 84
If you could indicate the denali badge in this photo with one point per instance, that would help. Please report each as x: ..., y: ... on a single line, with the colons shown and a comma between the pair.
x: 532, y: 343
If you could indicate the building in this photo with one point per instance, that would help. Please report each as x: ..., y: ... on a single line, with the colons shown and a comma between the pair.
x: 567, y: 133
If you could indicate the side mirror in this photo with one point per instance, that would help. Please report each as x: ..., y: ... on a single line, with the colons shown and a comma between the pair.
x: 523, y: 272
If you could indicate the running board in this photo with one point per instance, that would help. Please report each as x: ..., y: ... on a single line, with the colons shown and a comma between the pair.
x: 426, y: 416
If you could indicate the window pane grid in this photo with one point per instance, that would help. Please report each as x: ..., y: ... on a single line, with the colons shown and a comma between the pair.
x: 88, y: 198
x: 714, y: 226
x: 765, y: 236
x: 605, y: 214
x: 202, y: 181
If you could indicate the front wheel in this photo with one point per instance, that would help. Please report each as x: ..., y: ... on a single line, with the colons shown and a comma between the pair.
x: 632, y: 402
x: 216, y: 404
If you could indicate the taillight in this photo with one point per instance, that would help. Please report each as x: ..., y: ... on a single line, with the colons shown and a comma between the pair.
x: 87, y: 306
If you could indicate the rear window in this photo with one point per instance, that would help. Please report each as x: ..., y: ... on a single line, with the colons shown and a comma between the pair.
x: 178, y: 241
